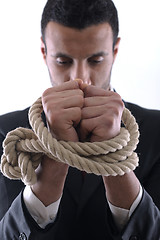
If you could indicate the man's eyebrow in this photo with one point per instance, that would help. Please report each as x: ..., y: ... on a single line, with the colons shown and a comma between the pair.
x: 102, y: 53
x: 59, y: 54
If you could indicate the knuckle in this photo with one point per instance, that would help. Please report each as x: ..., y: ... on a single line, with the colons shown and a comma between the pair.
x: 54, y: 117
x: 121, y: 103
x: 49, y: 108
x: 119, y: 100
x: 115, y: 111
x: 46, y: 92
x: 109, y: 121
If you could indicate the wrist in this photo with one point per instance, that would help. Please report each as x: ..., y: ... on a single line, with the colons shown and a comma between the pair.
x: 121, y: 191
x: 51, y: 177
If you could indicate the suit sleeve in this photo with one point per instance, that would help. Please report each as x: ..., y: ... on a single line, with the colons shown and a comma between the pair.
x: 14, y: 225
x: 144, y: 222
x: 18, y: 224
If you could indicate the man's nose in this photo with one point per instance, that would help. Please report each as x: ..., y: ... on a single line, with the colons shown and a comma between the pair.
x: 81, y: 71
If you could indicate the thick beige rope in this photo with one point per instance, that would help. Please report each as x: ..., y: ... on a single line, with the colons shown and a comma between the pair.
x: 24, y: 150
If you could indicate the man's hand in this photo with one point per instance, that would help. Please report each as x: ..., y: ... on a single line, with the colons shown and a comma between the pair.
x: 101, y: 114
x: 62, y: 106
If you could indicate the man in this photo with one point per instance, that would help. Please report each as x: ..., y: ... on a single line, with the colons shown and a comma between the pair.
x: 80, y: 41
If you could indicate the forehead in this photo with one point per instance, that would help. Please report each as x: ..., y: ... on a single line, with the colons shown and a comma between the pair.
x: 93, y: 38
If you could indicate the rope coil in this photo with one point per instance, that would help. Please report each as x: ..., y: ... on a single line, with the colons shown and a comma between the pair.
x: 25, y: 148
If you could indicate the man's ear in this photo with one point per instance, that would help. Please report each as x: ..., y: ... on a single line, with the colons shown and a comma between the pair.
x: 43, y: 49
x: 116, y: 47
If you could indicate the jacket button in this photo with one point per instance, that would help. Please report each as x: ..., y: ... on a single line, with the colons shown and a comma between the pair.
x: 134, y: 238
x: 22, y: 236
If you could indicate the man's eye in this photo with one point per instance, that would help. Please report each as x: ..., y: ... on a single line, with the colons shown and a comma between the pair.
x: 63, y: 60
x: 96, y: 60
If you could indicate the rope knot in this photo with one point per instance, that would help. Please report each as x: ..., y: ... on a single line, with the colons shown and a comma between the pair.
x: 17, y: 162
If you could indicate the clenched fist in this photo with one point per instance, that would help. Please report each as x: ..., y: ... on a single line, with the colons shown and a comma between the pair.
x: 80, y: 112
x: 63, y: 108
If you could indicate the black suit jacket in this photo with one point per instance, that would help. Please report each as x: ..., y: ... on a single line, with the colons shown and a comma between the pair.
x: 84, y: 212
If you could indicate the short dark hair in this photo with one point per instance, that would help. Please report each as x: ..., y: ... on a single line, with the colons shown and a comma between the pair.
x: 80, y: 14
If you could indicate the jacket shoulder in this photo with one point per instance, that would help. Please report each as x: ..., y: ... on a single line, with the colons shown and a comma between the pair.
x: 143, y: 114
x: 13, y: 120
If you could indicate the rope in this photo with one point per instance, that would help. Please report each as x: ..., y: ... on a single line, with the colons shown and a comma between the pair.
x: 25, y: 148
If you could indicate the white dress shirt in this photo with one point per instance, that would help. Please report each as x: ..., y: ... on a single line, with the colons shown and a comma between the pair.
x: 45, y: 215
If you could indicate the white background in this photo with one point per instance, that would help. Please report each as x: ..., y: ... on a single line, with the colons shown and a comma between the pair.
x: 23, y: 75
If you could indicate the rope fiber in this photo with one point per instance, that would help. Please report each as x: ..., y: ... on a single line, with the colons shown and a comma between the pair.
x: 25, y: 148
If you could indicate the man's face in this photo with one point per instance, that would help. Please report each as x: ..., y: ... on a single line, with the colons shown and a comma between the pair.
x: 87, y: 54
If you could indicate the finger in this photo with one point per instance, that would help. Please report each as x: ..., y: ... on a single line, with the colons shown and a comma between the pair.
x: 67, y: 117
x: 95, y: 101
x: 93, y: 111
x: 67, y: 102
x: 70, y: 85
x: 68, y: 98
x: 108, y: 110
x: 91, y: 91
x: 63, y: 94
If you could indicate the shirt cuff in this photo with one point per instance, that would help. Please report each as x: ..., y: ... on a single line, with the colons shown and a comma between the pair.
x: 121, y: 215
x: 41, y: 214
